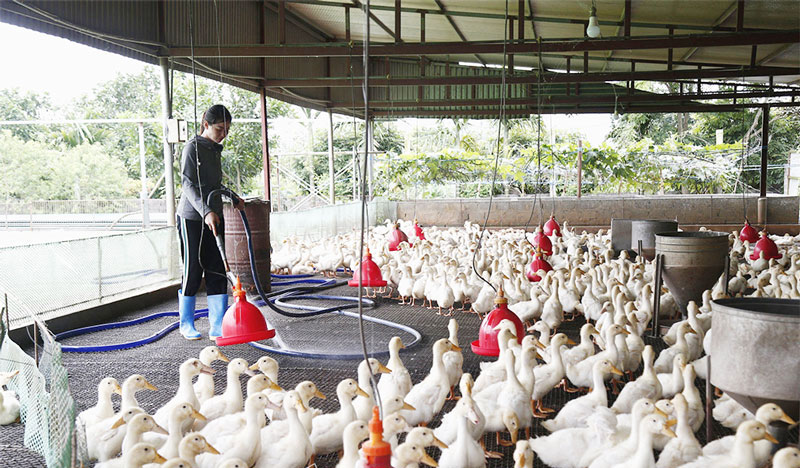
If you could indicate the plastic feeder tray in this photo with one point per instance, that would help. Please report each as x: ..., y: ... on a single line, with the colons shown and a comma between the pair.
x: 418, y: 231
x: 243, y: 322
x: 396, y: 237
x: 370, y: 272
x: 537, y: 264
x: 486, y: 344
x: 748, y: 232
x: 766, y: 245
x: 551, y: 227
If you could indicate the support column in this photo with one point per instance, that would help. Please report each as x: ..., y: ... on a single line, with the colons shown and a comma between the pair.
x: 762, y: 200
x: 143, y: 177
x: 580, y: 167
x: 331, y: 173
x: 265, y: 161
x: 166, y: 114
x: 371, y: 156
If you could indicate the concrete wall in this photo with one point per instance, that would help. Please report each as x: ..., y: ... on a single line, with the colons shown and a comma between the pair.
x: 598, y: 210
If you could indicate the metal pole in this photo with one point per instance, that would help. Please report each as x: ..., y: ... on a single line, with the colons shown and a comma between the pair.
x: 370, y: 157
x: 331, y: 185
x: 764, y: 150
x: 657, y: 294
x: 355, y: 175
x: 580, y: 166
x: 143, y: 177
x: 709, y: 398
x: 265, y: 159
x: 166, y: 114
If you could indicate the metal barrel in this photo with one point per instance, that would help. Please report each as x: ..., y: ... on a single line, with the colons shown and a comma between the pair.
x: 646, y: 230
x: 755, y: 351
x: 620, y: 234
x: 693, y: 262
x: 257, y: 212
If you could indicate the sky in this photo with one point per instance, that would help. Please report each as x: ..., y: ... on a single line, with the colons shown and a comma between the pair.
x: 68, y: 70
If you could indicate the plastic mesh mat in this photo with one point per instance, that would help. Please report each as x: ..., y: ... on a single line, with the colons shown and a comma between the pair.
x: 47, y: 409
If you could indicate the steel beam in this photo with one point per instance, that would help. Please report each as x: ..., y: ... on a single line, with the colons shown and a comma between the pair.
x: 381, y: 24
x: 720, y: 19
x: 455, y: 27
x: 607, y: 109
x: 339, y: 49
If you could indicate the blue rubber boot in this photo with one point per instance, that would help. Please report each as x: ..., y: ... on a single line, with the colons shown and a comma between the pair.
x: 217, y: 305
x: 186, y: 312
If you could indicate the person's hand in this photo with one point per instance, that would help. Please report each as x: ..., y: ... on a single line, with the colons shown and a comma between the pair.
x: 239, y: 206
x: 212, y: 220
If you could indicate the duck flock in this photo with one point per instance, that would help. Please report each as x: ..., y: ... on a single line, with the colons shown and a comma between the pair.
x: 651, y: 423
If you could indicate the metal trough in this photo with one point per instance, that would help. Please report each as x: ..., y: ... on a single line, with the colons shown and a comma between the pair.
x: 645, y: 230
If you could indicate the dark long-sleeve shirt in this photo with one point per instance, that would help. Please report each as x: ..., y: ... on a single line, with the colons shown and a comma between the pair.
x: 192, y: 205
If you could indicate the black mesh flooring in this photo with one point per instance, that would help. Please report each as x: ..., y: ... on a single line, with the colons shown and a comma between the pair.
x: 159, y: 361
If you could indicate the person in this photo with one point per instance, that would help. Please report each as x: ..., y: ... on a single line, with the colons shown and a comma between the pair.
x: 200, y: 220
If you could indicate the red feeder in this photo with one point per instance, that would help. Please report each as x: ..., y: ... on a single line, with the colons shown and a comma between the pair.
x: 378, y: 452
x: 766, y: 245
x: 551, y: 227
x: 418, y: 231
x: 542, y: 241
x: 537, y: 264
x: 243, y: 322
x: 748, y: 232
x: 371, y: 274
x: 486, y: 344
x: 396, y: 237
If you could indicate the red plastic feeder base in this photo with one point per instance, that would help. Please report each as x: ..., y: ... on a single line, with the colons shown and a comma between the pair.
x: 370, y: 272
x: 243, y: 322
x: 246, y: 338
x: 486, y: 344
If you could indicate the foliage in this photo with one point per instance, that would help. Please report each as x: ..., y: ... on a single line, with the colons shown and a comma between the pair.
x: 19, y: 105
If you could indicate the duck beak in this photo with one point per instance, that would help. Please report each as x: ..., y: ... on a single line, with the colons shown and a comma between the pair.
x: 671, y: 422
x: 514, y: 436
x: 660, y: 413
x: 406, y: 406
x: 540, y: 345
x: 274, y: 386
x: 455, y: 348
x: 196, y: 414
x: 159, y: 459
x: 625, y: 332
x: 522, y: 460
x: 383, y: 369
x: 207, y: 370
x: 320, y: 395
x: 159, y: 430
x: 668, y: 432
x: 614, y: 370
x: 426, y: 459
x: 785, y: 418
x: 571, y: 342
x: 149, y: 386
x: 119, y: 423
x: 253, y: 367
x: 117, y: 389
x: 439, y: 443
x: 770, y: 438
x: 210, y: 449
x: 360, y: 392
x: 225, y: 358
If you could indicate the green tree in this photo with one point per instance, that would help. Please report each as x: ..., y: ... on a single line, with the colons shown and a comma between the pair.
x: 20, y: 105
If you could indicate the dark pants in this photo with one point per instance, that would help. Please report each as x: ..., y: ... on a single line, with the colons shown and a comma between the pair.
x: 208, y: 264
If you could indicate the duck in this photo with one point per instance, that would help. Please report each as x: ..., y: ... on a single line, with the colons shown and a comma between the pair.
x: 169, y: 448
x: 672, y: 382
x: 527, y: 311
x: 135, y: 427
x: 547, y: 376
x: 246, y: 444
x: 626, y: 435
x: 286, y: 444
x: 138, y: 456
x: 428, y: 396
x: 787, y: 457
x: 493, y: 372
x: 204, y: 386
x: 464, y: 451
x: 584, y: 349
x: 664, y: 361
x: 103, y: 409
x: 393, y: 424
x: 741, y: 454
x: 448, y: 429
x: 106, y: 445
x: 453, y: 360
x: 697, y: 411
x: 575, y: 412
x: 766, y: 414
x: 424, y: 437
x: 98, y: 434
x: 363, y: 405
x: 398, y: 382
x: 553, y: 311
x: 410, y: 455
x: 642, y: 456
x: 355, y: 432
x: 523, y: 455
x: 9, y: 407
x: 685, y: 447
x: 185, y: 393
x: 581, y: 374
x: 306, y: 390
x: 584, y: 442
x: 328, y: 429
x: 229, y: 402
x: 5, y: 378
x: 646, y: 386
x: 192, y: 445
x: 269, y: 367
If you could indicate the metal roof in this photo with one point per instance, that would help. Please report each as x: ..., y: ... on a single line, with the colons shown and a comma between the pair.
x: 429, y: 57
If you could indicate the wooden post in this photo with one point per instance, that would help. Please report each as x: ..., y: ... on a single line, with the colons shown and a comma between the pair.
x: 265, y: 160
x: 580, y: 166
x: 332, y: 185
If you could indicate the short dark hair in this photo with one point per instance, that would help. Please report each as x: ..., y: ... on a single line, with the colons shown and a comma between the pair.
x: 217, y: 114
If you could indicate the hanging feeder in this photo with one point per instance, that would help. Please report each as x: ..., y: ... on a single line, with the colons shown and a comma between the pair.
x: 418, y: 231
x: 551, y: 227
x: 243, y: 322
x: 766, y: 245
x: 369, y: 272
x: 396, y: 237
x: 486, y: 344
x: 541, y: 241
x: 748, y: 232
x: 538, y: 263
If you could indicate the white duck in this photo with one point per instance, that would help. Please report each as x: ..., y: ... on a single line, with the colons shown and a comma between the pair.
x: 448, y: 429
x: 138, y: 456
x: 685, y: 447
x: 643, y: 457
x: 393, y: 424
x: 246, y: 445
x: 354, y: 433
x: 410, y: 455
x: 229, y: 402
x: 584, y: 349
x: 741, y: 454
x: 581, y: 374
x: 584, y: 442
x: 269, y: 367
x: 696, y: 407
x: 672, y: 382
x: 169, y: 448
x: 493, y: 372
x: 429, y: 396
x: 575, y: 412
x: 9, y: 407
x: 286, y: 444
x: 547, y: 376
x: 664, y: 361
x: 192, y: 445
x: 328, y: 429
x: 185, y: 393
x: 453, y: 360
x: 646, y: 386
x: 363, y: 405
x: 135, y: 427
x: 104, y: 407
x: 107, y: 444
x: 204, y: 386
x: 787, y: 457
x: 464, y: 451
x: 523, y: 455
x: 552, y: 311
x: 398, y: 382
